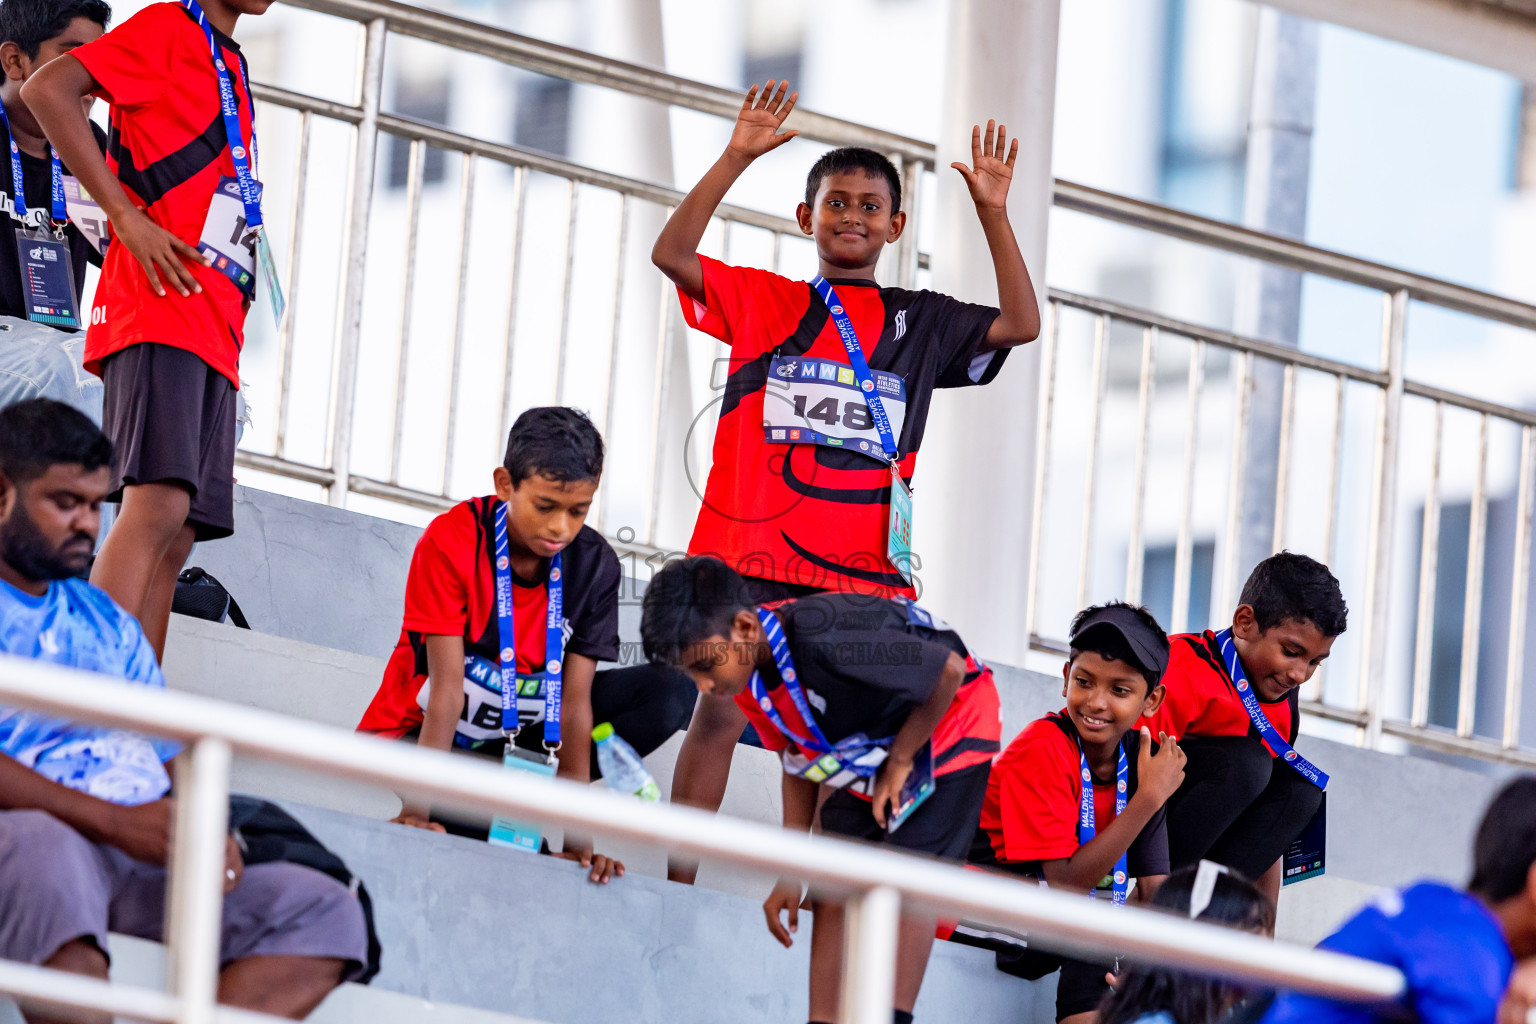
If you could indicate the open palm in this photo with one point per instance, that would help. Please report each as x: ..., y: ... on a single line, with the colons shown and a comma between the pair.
x: 757, y: 125
x: 990, y: 174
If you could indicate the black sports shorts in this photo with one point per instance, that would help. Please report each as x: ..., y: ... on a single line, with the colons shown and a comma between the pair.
x: 942, y: 826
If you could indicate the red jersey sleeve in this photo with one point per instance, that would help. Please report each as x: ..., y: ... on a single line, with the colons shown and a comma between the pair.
x: 729, y: 295
x: 1038, y: 795
x: 1184, y: 694
x: 129, y: 63
x: 442, y: 573
x: 771, y: 738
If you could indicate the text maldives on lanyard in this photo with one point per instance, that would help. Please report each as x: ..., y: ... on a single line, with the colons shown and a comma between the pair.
x: 1283, y: 750
x: 554, y: 642
x: 1087, y: 826
x: 42, y: 257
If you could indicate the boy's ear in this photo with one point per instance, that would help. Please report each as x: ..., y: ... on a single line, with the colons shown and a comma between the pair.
x: 1066, y: 676
x: 504, y: 484
x: 1245, y: 625
x: 898, y: 225
x: 803, y: 218
x: 13, y: 61
x: 1154, y: 700
x: 745, y: 627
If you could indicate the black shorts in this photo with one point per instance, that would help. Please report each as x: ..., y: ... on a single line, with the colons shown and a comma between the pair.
x: 171, y: 419
x: 942, y: 826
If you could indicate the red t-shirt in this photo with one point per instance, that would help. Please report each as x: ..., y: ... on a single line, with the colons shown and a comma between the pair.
x: 1034, y: 797
x: 451, y: 591
x: 806, y: 513
x: 1201, y: 700
x: 168, y: 148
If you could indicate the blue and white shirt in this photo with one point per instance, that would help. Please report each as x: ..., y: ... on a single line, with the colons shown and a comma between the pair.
x: 76, y: 625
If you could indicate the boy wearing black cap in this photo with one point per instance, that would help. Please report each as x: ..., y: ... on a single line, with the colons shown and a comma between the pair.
x: 1039, y: 819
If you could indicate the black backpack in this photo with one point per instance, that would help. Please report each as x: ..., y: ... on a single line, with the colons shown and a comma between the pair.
x: 266, y: 833
x: 201, y: 596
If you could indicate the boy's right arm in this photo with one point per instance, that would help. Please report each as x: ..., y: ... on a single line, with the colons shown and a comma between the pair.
x: 55, y: 94
x: 445, y: 677
x: 799, y: 812
x: 704, y: 765
x: 676, y: 252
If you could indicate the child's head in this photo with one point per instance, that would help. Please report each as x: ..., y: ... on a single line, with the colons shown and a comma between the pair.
x: 698, y: 615
x: 852, y: 206
x: 1504, y: 862
x: 1229, y: 900
x: 1114, y: 675
x: 553, y: 464
x: 33, y: 32
x: 1290, y: 612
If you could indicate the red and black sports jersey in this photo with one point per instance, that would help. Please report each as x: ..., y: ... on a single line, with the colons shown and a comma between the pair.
x: 451, y: 591
x: 1034, y: 798
x: 1202, y: 701
x: 865, y: 667
x: 805, y: 513
x: 168, y: 147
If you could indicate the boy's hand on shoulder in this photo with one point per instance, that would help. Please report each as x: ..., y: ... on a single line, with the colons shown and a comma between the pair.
x: 1159, y: 775
x: 158, y: 252
x: 757, y: 125
x: 992, y: 166
x: 785, y: 896
x: 604, y: 868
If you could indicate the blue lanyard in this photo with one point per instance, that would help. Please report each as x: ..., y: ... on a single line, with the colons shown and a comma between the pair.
x: 1087, y: 827
x: 250, y: 192
x: 1267, y: 730
x: 506, y: 631
x: 857, y: 361
x: 60, y: 214
x: 816, y: 742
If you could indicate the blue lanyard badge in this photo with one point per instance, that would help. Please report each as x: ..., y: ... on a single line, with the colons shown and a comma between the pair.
x: 60, y: 215
x: 229, y: 107
x: 859, y: 365
x: 1261, y: 722
x: 554, y: 641
x: 1087, y: 827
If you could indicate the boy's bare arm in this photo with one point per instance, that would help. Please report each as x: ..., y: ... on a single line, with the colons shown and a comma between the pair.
x: 445, y: 701
x: 914, y: 732
x: 704, y: 765
x: 54, y: 94
x: 676, y: 252
x: 988, y: 180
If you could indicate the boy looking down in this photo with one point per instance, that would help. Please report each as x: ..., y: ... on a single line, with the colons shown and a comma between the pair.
x: 178, y: 186
x: 443, y: 685
x: 1043, y: 817
x: 872, y: 699
x: 829, y: 382
x: 1233, y: 703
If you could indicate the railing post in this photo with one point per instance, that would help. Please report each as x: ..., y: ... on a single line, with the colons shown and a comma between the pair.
x: 1373, y: 663
x: 194, y: 910
x: 349, y: 315
x: 871, y: 923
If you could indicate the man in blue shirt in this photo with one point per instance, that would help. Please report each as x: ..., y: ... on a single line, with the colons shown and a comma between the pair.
x: 1457, y: 949
x: 85, y: 816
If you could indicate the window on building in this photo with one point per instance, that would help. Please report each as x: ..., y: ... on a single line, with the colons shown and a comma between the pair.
x: 1157, y: 583
x: 542, y: 115
x: 421, y: 96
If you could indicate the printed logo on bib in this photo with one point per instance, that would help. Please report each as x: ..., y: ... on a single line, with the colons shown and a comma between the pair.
x: 819, y: 401
x: 229, y: 243
x: 480, y: 720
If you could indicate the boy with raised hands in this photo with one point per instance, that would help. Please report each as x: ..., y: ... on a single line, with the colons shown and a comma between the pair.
x: 872, y: 701
x: 829, y: 383
x: 1077, y: 800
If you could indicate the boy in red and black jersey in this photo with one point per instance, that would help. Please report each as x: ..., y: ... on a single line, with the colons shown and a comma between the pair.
x: 799, y: 492
x: 1031, y: 819
x: 451, y: 630
x: 1241, y: 804
x: 859, y: 695
x: 168, y: 358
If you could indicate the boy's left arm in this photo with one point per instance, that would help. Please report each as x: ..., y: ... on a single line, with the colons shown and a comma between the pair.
x: 576, y: 756
x: 914, y: 732
x: 988, y: 179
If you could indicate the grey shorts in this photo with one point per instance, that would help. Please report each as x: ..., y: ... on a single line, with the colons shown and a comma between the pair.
x: 57, y: 886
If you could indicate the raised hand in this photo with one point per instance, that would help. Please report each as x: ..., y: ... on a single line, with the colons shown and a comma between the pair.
x: 990, y: 174
x: 1160, y: 775
x: 757, y: 126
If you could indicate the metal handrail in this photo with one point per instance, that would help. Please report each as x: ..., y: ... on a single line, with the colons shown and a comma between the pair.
x: 878, y: 881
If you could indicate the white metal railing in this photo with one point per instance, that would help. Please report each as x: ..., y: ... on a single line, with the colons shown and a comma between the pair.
x: 638, y: 439
x: 877, y: 883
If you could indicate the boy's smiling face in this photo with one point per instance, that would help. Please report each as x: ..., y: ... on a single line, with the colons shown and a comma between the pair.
x: 852, y: 219
x: 1106, y: 697
x: 1281, y: 658
x: 723, y: 665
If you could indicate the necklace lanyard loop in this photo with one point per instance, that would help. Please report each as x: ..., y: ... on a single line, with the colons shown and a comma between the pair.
x: 57, y: 208
x: 1283, y: 750
x: 229, y: 107
x: 859, y: 365
x: 1087, y: 825
x: 506, y: 631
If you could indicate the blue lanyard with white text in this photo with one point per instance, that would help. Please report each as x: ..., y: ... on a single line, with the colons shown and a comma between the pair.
x: 1283, y: 750
x: 506, y: 631
x: 229, y: 107
x: 1087, y: 826
x: 60, y: 214
x: 859, y: 365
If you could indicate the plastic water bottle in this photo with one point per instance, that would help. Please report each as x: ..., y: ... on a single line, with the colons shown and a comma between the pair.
x: 622, y: 768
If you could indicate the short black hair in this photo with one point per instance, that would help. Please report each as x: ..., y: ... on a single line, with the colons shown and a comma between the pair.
x: 851, y: 158
x: 31, y: 23
x: 40, y: 432
x: 1108, y: 643
x: 1292, y: 586
x: 1505, y: 847
x: 553, y: 441
x: 690, y: 600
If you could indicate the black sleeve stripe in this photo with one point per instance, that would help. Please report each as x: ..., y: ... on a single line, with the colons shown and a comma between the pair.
x: 966, y: 745
x: 752, y: 376
x: 151, y: 183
